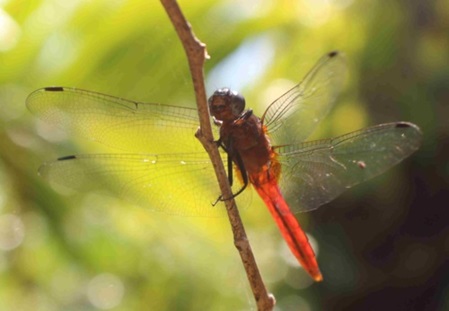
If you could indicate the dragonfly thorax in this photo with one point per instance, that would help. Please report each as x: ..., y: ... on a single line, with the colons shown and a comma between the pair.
x: 226, y: 105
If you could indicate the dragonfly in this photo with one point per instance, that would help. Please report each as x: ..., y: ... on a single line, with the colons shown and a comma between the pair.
x: 162, y: 166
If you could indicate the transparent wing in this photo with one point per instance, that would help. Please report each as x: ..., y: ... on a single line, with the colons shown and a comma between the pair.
x: 116, y: 122
x: 316, y: 172
x: 295, y: 115
x: 181, y: 184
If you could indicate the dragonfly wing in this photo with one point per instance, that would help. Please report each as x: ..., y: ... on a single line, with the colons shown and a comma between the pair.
x: 117, y: 122
x: 295, y: 115
x: 314, y: 173
x: 179, y: 184
x: 171, y: 183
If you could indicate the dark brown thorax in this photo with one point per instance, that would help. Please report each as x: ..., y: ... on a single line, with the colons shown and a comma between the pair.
x: 243, y: 135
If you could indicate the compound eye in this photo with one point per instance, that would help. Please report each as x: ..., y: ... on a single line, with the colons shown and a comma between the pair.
x: 237, y: 103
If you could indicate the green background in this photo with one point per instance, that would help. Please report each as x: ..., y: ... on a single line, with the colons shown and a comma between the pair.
x: 382, y: 246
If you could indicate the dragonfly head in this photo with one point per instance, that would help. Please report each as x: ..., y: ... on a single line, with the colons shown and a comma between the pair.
x: 226, y: 105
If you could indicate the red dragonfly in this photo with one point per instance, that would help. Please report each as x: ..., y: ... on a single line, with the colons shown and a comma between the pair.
x: 268, y: 153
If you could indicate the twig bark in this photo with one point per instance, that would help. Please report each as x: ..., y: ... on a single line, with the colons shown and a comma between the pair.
x: 196, y: 56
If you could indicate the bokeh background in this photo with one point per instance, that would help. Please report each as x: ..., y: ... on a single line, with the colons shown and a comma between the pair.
x: 382, y: 245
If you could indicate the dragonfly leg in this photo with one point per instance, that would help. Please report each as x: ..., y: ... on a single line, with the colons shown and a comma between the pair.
x: 241, y: 167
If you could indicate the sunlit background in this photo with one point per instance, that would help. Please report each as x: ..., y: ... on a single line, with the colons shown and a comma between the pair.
x: 381, y: 246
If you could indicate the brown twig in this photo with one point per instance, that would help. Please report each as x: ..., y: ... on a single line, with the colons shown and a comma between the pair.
x: 196, y: 56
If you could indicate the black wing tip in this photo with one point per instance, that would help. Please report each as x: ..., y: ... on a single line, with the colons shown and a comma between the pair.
x: 404, y: 125
x: 53, y: 89
x: 70, y: 157
x: 411, y: 128
x: 42, y: 90
x: 333, y: 53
